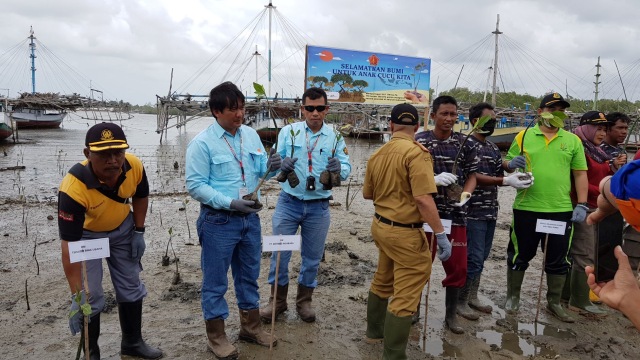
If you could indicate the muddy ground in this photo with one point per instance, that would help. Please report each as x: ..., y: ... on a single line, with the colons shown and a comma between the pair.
x: 173, y: 319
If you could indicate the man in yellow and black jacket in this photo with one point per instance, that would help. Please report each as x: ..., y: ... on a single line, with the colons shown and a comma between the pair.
x: 93, y: 203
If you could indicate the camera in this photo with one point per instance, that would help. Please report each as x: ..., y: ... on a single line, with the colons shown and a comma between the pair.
x: 311, y: 183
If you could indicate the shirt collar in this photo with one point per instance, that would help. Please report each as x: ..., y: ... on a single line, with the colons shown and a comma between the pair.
x: 219, y: 131
x: 401, y: 135
x: 324, y: 130
x: 536, y: 130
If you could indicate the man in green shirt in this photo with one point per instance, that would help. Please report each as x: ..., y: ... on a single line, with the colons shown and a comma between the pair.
x: 554, y: 156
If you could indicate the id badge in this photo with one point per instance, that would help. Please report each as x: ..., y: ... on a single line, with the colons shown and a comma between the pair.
x: 242, y: 192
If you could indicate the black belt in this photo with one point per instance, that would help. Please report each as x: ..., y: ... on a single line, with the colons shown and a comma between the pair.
x: 224, y: 212
x: 308, y: 201
x: 384, y: 220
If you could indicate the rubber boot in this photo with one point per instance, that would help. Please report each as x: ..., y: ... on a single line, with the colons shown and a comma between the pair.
x: 218, y: 342
x: 376, y: 314
x: 396, y: 337
x: 281, y: 303
x: 514, y: 283
x: 132, y: 344
x: 303, y: 304
x: 554, y: 291
x: 94, y: 334
x: 566, y: 290
x: 463, y: 308
x: 451, y: 302
x: 474, y: 302
x: 580, y: 295
x: 251, y: 329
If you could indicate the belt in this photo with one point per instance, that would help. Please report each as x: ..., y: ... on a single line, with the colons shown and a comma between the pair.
x: 308, y: 201
x: 384, y: 220
x: 224, y: 212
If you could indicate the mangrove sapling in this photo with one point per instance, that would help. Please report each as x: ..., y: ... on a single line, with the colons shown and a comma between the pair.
x: 291, y: 175
x: 166, y: 260
x: 85, y: 308
x: 331, y: 179
x: 350, y: 197
x: 184, y: 204
x: 454, y: 191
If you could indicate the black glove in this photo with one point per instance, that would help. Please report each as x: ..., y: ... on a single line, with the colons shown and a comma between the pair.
x: 274, y: 161
x: 288, y: 164
x: 244, y: 206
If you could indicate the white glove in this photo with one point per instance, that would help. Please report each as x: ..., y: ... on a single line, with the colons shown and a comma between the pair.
x: 464, y: 198
x: 518, y: 180
x: 445, y: 179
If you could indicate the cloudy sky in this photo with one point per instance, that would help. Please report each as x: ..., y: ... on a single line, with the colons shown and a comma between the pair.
x: 127, y: 48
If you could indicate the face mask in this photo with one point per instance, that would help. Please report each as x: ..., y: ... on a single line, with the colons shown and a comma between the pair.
x: 488, y: 128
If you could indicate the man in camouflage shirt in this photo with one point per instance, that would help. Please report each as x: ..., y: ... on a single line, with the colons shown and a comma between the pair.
x: 482, y: 210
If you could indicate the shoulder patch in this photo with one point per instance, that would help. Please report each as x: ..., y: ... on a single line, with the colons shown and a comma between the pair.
x: 421, y: 146
x: 65, y: 215
x: 345, y: 151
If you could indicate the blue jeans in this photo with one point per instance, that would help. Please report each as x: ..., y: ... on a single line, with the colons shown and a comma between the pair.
x: 313, y: 219
x: 479, y: 240
x: 228, y: 240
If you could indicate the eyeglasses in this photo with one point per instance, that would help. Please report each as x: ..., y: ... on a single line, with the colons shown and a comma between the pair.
x: 311, y: 108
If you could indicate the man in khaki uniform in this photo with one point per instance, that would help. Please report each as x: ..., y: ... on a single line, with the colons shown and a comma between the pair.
x: 399, y: 179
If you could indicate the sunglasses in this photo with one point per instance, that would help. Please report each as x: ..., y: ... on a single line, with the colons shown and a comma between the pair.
x: 311, y: 108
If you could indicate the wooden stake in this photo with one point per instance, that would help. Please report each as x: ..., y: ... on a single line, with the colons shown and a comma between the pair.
x: 426, y: 299
x: 86, y: 317
x: 544, y: 261
x: 273, y: 307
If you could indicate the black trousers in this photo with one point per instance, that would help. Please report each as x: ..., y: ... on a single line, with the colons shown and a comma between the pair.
x: 524, y: 242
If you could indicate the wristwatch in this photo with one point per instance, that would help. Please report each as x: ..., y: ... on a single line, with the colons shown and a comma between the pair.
x: 139, y: 229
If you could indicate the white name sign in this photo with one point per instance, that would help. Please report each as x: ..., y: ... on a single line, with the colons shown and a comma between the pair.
x: 551, y: 227
x: 446, y: 224
x: 281, y: 243
x: 88, y: 249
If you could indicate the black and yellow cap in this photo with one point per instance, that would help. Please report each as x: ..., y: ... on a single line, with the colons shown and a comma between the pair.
x: 105, y: 136
x: 593, y: 118
x: 553, y: 99
x: 404, y: 114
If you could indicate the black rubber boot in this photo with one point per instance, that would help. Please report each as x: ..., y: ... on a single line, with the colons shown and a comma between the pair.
x: 463, y: 308
x: 514, y: 283
x: 474, y: 302
x: 132, y: 344
x: 451, y: 302
x: 376, y: 314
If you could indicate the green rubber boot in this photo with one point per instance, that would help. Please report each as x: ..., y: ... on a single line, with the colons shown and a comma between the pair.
x: 396, y: 337
x: 376, y: 314
x: 580, y: 295
x: 554, y: 291
x: 566, y: 289
x: 514, y: 283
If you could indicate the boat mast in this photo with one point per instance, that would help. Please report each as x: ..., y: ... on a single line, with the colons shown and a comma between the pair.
x: 270, y: 7
x: 32, y: 47
x: 256, y: 54
x: 495, y: 62
x: 597, y: 82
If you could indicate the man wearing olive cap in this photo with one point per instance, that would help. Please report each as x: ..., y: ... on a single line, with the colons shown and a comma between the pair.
x: 106, y: 196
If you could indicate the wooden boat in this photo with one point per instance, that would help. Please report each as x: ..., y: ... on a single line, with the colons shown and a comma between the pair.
x: 5, y: 131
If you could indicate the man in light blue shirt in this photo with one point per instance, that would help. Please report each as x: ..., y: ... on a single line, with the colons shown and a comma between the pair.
x: 225, y: 162
x: 305, y: 206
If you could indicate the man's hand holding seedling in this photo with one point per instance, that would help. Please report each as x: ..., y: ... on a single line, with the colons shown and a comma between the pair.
x: 518, y: 162
x: 275, y: 160
x: 445, y: 179
x: 518, y: 180
x: 334, y: 165
x: 288, y: 164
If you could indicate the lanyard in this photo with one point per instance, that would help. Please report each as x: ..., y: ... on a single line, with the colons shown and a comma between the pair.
x: 309, y: 151
x: 239, y: 160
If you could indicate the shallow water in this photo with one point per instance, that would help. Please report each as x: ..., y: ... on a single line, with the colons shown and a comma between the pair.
x: 48, y: 154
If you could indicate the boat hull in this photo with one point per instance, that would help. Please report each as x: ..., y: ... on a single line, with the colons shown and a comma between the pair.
x: 36, y: 119
x: 5, y: 131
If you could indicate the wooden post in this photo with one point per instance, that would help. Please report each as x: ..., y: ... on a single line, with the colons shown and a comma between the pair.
x: 86, y: 317
x: 426, y: 299
x: 273, y: 307
x: 544, y: 261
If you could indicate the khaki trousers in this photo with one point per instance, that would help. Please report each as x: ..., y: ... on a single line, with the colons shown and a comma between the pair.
x: 404, y: 266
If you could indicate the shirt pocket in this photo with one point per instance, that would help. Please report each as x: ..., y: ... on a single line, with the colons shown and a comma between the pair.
x: 224, y: 167
x: 256, y: 158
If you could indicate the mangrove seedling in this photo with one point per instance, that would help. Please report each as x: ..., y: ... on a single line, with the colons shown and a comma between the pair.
x: 184, y: 204
x: 290, y: 176
x: 454, y: 191
x: 86, y: 312
x: 331, y: 179
x: 166, y: 260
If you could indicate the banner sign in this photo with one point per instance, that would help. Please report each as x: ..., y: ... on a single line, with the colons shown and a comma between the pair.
x: 367, y: 77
